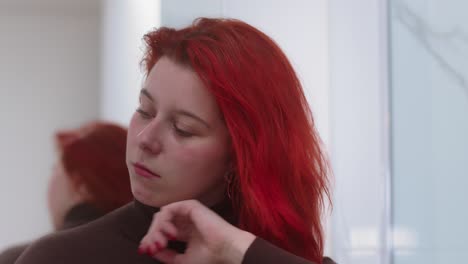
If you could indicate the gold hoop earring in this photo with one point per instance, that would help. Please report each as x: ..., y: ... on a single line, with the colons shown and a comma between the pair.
x: 229, y: 177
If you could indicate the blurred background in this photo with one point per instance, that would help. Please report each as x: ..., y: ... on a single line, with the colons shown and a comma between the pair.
x: 386, y: 80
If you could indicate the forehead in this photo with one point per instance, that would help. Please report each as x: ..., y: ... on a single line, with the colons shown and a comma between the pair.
x: 174, y: 85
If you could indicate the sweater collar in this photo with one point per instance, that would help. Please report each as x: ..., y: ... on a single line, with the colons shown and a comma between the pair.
x: 139, y: 216
x: 80, y: 214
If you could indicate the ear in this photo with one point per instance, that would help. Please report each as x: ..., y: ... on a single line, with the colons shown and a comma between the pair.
x: 83, y: 192
x: 77, y: 189
x: 64, y: 138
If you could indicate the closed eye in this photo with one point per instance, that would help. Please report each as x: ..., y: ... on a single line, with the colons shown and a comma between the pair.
x: 182, y: 133
x: 144, y: 114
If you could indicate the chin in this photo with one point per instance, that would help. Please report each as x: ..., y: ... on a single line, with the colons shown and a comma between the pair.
x: 144, y: 196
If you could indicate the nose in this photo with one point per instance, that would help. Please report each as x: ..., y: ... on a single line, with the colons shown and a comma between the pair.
x: 148, y: 139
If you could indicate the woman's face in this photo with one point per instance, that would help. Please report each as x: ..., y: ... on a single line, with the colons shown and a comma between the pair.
x: 178, y: 146
x: 62, y: 195
x: 55, y: 193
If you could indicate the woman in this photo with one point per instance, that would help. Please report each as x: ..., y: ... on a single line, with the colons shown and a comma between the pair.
x: 222, y: 120
x: 90, y: 170
x: 89, y: 179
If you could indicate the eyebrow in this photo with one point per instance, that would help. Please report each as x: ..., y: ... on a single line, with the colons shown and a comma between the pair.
x: 178, y: 112
x: 186, y: 113
x: 147, y: 94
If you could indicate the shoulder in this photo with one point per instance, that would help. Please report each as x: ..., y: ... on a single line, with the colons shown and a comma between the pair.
x: 261, y: 251
x: 327, y: 260
x: 10, y: 255
x: 42, y: 249
x: 62, y: 246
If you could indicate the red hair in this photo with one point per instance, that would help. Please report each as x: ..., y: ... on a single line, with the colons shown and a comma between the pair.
x: 93, y: 156
x: 280, y: 178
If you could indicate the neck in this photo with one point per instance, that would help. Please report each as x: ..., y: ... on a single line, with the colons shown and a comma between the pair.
x: 79, y: 214
x: 68, y: 204
x: 223, y: 208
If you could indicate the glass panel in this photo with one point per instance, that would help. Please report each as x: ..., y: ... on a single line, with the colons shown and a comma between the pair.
x: 429, y: 86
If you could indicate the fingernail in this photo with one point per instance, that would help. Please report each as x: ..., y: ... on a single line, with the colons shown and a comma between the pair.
x: 151, y: 252
x: 141, y: 250
x: 158, y: 246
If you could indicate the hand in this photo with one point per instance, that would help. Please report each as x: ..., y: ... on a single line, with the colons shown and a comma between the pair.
x: 210, y: 239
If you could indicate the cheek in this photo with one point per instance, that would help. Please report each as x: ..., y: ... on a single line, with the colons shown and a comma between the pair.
x: 53, y: 192
x: 206, y: 161
x: 50, y: 194
x: 132, y: 132
x: 132, y: 127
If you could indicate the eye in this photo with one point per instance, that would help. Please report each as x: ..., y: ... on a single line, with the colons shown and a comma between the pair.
x: 144, y: 114
x: 181, y: 132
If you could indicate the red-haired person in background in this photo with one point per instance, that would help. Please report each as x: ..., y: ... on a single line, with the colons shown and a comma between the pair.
x: 89, y: 178
x: 223, y: 123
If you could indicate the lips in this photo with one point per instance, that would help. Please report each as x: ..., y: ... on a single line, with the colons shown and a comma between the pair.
x: 141, y: 170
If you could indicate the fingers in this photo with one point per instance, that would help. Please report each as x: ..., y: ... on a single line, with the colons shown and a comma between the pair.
x: 180, y: 209
x: 155, y: 242
x: 178, y: 221
x: 166, y: 256
x: 190, y: 210
x: 161, y: 231
x: 165, y: 226
x: 169, y: 230
x: 199, y: 215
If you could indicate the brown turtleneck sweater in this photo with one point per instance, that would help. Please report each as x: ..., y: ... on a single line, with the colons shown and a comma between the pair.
x: 115, y: 238
x: 76, y: 216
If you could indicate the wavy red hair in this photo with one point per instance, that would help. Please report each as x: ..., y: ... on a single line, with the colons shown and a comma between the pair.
x: 280, y: 181
x: 93, y: 156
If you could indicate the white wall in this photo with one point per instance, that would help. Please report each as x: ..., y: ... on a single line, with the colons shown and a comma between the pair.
x: 124, y: 22
x: 359, y: 119
x: 300, y: 27
x: 429, y: 130
x: 49, y: 78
